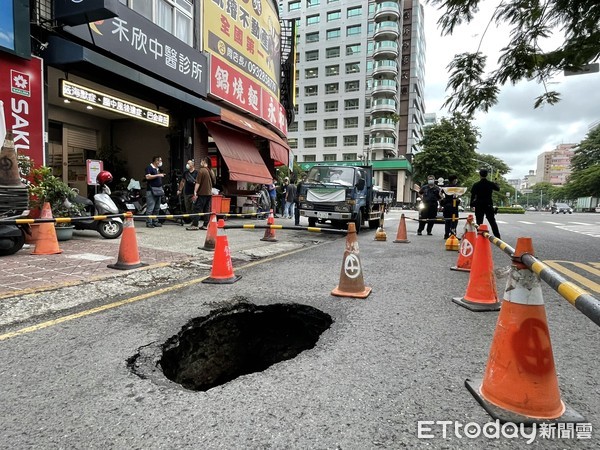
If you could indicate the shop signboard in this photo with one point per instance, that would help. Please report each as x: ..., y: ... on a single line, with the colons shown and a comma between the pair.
x: 77, y: 12
x: 140, y: 42
x: 21, y: 91
x: 232, y: 86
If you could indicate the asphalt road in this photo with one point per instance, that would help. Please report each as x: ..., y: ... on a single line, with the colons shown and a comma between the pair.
x: 387, y: 362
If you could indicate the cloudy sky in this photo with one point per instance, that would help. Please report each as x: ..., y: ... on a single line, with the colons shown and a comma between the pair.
x: 512, y: 130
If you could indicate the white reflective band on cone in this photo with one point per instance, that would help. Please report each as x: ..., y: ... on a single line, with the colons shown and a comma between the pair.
x: 523, y: 287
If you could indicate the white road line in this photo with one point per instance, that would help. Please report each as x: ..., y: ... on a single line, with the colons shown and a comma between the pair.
x: 501, y: 221
x: 582, y: 223
x: 553, y: 223
x: 527, y: 223
x: 588, y: 230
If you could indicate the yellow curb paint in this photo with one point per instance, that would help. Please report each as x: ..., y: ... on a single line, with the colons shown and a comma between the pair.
x: 558, y: 266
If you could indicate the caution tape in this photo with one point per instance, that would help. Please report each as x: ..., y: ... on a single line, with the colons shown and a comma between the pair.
x: 251, y: 226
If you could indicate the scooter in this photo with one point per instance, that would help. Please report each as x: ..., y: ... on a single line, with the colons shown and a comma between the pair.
x: 12, y: 237
x: 102, y: 205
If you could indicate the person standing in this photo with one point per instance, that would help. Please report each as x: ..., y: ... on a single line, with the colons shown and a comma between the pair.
x: 481, y: 201
x: 290, y: 199
x: 297, y: 201
x: 154, y: 191
x: 273, y: 196
x: 203, y: 194
x: 431, y: 194
x: 186, y: 186
x: 450, y: 204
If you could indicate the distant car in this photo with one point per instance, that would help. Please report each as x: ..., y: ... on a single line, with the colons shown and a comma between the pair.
x: 532, y: 208
x: 561, y: 208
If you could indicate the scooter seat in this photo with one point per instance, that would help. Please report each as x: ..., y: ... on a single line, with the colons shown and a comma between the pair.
x: 79, y: 199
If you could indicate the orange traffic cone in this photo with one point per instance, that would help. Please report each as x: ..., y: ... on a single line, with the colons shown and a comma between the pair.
x: 46, y: 243
x: 520, y: 383
x: 211, y: 234
x: 467, y: 247
x: 222, y: 268
x: 352, y: 283
x: 129, y: 256
x: 401, y: 234
x: 481, y: 291
x: 269, y: 232
x: 452, y: 243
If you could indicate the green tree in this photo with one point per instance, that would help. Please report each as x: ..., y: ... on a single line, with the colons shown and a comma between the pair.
x: 587, y: 152
x: 499, y: 167
x: 531, y: 22
x: 584, y: 183
x: 448, y: 148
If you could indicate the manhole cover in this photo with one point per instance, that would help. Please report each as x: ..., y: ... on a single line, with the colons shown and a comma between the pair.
x: 212, y: 350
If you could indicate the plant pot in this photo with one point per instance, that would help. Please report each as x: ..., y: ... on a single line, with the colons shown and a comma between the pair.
x: 64, y: 233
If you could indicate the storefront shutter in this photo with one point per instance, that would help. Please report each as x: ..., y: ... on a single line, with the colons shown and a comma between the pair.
x: 81, y: 138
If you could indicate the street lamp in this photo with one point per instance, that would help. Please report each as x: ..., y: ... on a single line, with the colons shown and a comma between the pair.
x: 488, y: 165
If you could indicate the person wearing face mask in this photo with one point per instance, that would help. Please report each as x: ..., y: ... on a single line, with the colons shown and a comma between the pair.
x: 431, y: 194
x: 154, y: 191
x: 186, y: 186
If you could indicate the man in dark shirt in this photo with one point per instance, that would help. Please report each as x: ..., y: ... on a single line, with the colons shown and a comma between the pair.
x: 481, y: 201
x: 153, y: 196
x: 431, y: 195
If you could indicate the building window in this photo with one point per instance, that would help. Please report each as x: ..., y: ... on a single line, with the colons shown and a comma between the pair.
x: 366, y: 139
x: 334, y: 15
x: 334, y: 33
x: 353, y: 49
x: 330, y: 124
x: 313, y: 72
x: 351, y: 122
x: 331, y: 106
x: 332, y: 88
x: 354, y: 12
x: 311, y: 3
x: 372, y: 9
x: 349, y: 157
x: 296, y: 91
x: 352, y: 67
x: 370, y: 47
x: 370, y: 66
x: 352, y: 86
x: 332, y: 71
x: 176, y: 17
x: 311, y: 91
x: 332, y: 52
x: 293, y: 127
x: 310, y: 108
x: 313, y: 20
x: 310, y: 125
x: 297, y: 75
x: 350, y: 104
x: 310, y: 158
x: 370, y: 27
x: 293, y: 6
x: 310, y: 142
x: 330, y: 156
x: 312, y: 55
x: 350, y: 141
x: 332, y: 1
x: 353, y: 30
x: 312, y: 37
x: 330, y: 141
x: 293, y: 142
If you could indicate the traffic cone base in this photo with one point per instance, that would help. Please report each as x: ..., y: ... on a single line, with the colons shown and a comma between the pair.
x: 222, y: 268
x: 401, y: 237
x: 269, y: 235
x: 476, y: 307
x: 452, y: 243
x: 129, y: 255
x: 504, y: 416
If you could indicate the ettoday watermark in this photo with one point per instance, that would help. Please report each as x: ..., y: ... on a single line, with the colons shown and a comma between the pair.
x: 445, y: 429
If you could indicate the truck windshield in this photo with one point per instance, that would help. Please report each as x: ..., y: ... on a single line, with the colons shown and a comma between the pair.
x: 335, y: 175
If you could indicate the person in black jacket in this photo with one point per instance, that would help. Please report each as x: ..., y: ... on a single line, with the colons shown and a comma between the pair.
x: 481, y: 201
x: 431, y: 195
x: 450, y: 204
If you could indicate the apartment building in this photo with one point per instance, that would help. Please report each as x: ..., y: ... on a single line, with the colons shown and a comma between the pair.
x: 359, y: 85
x: 555, y: 166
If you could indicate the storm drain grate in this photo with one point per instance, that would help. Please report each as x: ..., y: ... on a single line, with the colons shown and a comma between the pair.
x: 230, y: 342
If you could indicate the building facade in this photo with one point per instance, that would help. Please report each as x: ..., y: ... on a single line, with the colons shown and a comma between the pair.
x: 555, y: 166
x: 359, y: 85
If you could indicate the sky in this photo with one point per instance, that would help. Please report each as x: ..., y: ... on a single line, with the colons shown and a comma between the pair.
x: 512, y: 130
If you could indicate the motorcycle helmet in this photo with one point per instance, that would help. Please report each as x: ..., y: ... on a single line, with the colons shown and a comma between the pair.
x: 104, y: 177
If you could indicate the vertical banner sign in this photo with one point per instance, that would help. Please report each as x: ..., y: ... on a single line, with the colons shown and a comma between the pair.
x: 21, y: 91
x: 94, y: 167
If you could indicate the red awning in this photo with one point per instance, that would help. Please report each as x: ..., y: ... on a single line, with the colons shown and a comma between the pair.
x: 280, y: 150
x: 240, y: 155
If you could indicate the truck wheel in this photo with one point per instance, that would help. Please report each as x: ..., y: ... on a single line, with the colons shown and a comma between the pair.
x: 312, y: 221
x: 358, y: 221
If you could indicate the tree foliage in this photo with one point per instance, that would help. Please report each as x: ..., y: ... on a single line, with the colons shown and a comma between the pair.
x: 587, y: 152
x: 531, y: 22
x: 491, y: 162
x: 448, y: 148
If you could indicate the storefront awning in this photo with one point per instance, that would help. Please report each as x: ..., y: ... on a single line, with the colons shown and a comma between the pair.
x: 280, y: 150
x: 240, y: 154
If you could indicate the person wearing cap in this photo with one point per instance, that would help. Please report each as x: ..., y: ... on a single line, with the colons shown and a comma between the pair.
x: 481, y: 201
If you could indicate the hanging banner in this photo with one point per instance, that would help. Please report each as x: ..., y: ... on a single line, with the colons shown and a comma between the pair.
x: 21, y: 91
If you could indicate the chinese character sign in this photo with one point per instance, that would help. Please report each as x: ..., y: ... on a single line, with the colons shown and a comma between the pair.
x: 246, y: 34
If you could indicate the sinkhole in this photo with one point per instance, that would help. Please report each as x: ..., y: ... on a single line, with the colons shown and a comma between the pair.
x: 238, y: 340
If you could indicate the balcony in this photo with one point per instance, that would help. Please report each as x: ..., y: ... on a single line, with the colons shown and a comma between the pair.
x: 387, y: 49
x: 383, y: 105
x: 385, y: 67
x: 387, y: 11
x: 388, y: 87
x: 387, y: 30
x: 383, y: 124
x: 386, y: 144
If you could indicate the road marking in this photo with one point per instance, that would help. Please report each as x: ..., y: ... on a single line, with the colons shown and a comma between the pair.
x: 581, y: 223
x: 558, y: 266
x: 501, y: 221
x: 137, y: 298
x: 553, y: 223
x: 527, y: 223
x: 588, y: 230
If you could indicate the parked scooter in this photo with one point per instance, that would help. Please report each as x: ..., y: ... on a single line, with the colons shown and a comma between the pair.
x: 12, y: 237
x: 102, y: 205
x: 130, y: 200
